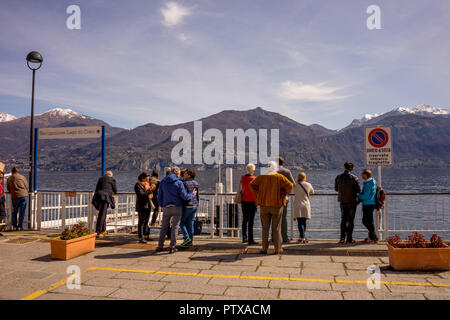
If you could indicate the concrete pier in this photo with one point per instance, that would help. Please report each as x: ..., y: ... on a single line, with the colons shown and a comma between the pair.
x: 222, y: 269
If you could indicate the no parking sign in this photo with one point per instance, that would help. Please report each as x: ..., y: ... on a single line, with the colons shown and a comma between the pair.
x: 378, y: 146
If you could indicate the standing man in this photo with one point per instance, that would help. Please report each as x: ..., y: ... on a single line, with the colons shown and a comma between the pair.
x: 18, y: 187
x: 171, y: 194
x: 271, y: 190
x: 347, y: 185
x: 103, y: 198
x: 288, y: 174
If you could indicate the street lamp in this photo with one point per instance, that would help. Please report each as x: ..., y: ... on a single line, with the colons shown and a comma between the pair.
x: 34, y: 62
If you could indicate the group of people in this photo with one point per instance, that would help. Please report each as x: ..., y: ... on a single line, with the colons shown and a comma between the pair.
x: 269, y: 191
x: 178, y: 196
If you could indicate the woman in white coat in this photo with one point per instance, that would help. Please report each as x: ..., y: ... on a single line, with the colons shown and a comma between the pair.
x: 302, y: 206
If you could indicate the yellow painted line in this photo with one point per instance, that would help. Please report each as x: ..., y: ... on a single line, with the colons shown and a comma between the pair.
x: 422, y: 284
x: 223, y: 276
x: 39, y: 293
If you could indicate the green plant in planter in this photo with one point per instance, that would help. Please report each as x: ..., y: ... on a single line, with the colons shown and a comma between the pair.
x: 78, y: 230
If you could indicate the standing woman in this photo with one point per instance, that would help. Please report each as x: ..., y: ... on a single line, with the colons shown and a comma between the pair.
x: 248, y: 205
x: 367, y: 196
x: 190, y: 208
x: 144, y: 194
x: 302, y: 206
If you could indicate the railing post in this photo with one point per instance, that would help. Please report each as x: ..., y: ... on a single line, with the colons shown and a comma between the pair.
x: 212, y: 215
x: 38, y: 211
x: 90, y: 212
x: 63, y: 210
x: 220, y: 216
x: 386, y: 219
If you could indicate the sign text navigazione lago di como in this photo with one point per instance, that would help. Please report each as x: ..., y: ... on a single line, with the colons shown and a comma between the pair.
x: 213, y: 152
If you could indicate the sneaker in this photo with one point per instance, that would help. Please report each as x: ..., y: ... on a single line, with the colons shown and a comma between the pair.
x: 158, y: 249
x: 342, y: 241
x: 186, y: 241
x: 367, y: 240
x: 253, y: 243
x: 172, y: 250
x: 142, y: 241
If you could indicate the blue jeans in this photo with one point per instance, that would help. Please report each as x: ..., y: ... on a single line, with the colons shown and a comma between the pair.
x: 301, y: 226
x: 19, y: 206
x: 187, y: 222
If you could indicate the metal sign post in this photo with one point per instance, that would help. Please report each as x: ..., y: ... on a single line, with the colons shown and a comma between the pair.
x: 378, y: 151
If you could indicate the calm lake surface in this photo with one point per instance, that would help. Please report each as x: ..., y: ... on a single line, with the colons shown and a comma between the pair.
x: 407, y: 213
x: 393, y: 180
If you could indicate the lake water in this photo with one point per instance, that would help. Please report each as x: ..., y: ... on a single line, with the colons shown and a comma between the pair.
x: 393, y: 180
x: 410, y: 213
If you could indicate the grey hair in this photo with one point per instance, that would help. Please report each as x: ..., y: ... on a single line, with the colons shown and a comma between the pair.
x: 175, y: 170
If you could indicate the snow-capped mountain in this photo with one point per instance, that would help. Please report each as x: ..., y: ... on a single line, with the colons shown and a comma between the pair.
x: 421, y: 110
x: 62, y: 113
x: 5, y: 117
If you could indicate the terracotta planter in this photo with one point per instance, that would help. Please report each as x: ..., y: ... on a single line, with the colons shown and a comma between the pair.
x: 419, y: 259
x: 68, y: 249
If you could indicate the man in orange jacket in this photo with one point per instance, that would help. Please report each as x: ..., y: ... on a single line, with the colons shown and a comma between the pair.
x: 271, y: 190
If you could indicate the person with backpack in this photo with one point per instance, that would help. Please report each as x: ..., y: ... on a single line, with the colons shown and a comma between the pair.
x: 347, y: 185
x: 368, y: 198
x: 190, y: 208
x: 302, y: 206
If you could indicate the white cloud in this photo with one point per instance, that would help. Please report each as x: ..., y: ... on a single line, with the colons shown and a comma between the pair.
x: 182, y: 37
x: 290, y: 90
x: 174, y: 13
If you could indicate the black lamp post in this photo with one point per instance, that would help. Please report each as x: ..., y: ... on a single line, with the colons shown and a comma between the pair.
x: 34, y: 62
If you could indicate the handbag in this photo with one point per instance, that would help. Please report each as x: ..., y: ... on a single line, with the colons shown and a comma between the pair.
x: 238, y: 196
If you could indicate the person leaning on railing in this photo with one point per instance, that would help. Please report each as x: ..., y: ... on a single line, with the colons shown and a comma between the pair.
x: 271, y: 190
x: 302, y: 206
x: 367, y: 196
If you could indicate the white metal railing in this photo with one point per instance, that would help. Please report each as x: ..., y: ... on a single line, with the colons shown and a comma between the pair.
x: 426, y: 213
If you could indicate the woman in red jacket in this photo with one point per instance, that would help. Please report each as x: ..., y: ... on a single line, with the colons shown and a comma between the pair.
x: 248, y: 205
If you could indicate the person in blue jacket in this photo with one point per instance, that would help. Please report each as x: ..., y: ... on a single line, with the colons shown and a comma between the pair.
x: 172, y: 193
x: 367, y: 197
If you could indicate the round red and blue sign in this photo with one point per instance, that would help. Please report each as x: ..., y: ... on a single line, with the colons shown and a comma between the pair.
x: 378, y: 138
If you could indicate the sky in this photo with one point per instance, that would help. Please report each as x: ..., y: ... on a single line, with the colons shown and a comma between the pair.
x: 138, y: 61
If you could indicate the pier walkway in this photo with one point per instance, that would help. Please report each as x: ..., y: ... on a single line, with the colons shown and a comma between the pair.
x: 223, y: 269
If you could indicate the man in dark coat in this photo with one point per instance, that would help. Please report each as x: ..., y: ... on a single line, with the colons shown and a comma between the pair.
x: 347, y: 185
x: 103, y: 198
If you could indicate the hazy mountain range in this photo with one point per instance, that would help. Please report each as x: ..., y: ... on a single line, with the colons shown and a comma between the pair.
x: 421, y: 137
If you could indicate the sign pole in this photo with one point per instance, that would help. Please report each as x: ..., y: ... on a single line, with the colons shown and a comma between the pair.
x: 36, y: 137
x: 103, y: 151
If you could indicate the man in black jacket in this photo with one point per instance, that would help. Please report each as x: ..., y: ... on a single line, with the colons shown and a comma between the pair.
x: 103, y: 198
x: 347, y: 185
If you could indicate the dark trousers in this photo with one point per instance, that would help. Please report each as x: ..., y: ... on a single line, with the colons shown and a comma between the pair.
x: 19, y: 206
x: 101, y: 218
x: 368, y: 220
x: 248, y: 219
x: 143, y: 217
x: 301, y: 227
x: 348, y: 211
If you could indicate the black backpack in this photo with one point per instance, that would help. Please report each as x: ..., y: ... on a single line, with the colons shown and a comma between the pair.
x: 380, y: 196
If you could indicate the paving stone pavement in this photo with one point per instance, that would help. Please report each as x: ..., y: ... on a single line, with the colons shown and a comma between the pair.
x: 138, y: 273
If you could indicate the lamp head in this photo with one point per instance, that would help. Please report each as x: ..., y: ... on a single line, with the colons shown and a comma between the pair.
x: 34, y: 57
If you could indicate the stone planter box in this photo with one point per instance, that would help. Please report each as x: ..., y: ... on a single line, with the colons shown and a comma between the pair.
x: 419, y: 259
x: 68, y: 249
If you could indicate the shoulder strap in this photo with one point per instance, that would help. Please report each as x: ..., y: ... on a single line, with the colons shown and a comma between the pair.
x: 307, y: 194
